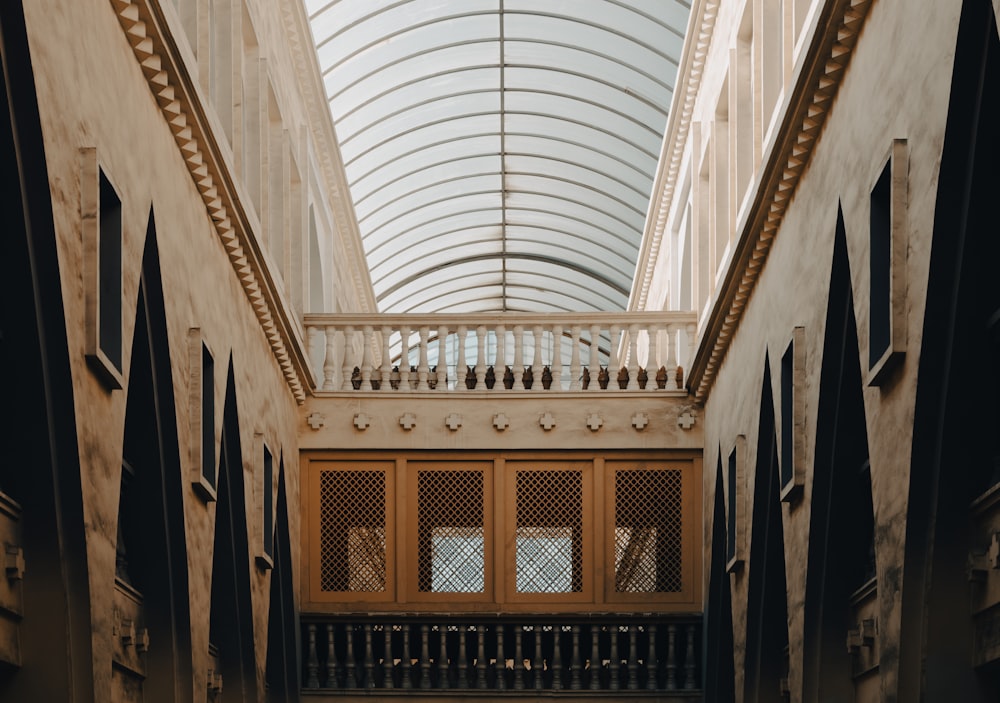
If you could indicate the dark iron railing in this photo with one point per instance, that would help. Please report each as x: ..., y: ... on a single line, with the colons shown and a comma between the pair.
x: 638, y: 653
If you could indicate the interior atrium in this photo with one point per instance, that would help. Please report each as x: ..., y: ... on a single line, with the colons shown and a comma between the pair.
x: 470, y: 350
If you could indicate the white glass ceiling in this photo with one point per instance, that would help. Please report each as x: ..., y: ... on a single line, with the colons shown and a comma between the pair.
x: 500, y: 153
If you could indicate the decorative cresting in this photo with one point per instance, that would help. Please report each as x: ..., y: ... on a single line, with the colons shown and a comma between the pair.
x: 173, y: 96
x: 648, y: 528
x: 451, y: 532
x: 815, y: 89
x: 631, y: 655
x: 548, y: 552
x: 495, y: 353
x: 352, y: 531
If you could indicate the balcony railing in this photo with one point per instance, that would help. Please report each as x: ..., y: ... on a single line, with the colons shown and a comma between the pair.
x: 632, y: 655
x: 496, y: 353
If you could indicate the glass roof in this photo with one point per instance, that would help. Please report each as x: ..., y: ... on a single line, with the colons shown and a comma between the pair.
x: 500, y: 153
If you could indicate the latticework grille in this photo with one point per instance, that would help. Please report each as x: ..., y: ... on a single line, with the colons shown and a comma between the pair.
x: 352, y: 531
x: 648, y: 522
x: 549, y: 544
x: 450, y: 531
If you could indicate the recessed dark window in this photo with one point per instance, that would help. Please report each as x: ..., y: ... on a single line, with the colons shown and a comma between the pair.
x: 268, y: 509
x: 208, y: 416
x: 731, y: 509
x: 880, y: 233
x: 110, y: 274
x: 787, y: 414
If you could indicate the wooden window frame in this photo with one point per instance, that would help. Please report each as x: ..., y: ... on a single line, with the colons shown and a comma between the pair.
x: 314, y: 531
x: 410, y: 589
x: 690, y: 531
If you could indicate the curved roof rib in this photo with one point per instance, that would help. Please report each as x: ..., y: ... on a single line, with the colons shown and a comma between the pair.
x: 500, y: 153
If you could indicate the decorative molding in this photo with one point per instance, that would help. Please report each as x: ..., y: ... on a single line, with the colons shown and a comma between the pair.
x: 818, y: 81
x: 703, y: 15
x: 173, y: 89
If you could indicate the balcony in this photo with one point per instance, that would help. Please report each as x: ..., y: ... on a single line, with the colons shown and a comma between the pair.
x: 496, y: 354
x: 652, y: 657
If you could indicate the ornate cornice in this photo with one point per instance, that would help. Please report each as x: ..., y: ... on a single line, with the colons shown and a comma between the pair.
x: 324, y: 134
x: 689, y: 73
x: 173, y: 88
x: 819, y: 79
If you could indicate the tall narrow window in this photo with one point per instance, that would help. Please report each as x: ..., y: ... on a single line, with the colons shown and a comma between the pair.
x: 881, y: 249
x: 268, y: 517
x: 201, y: 396
x: 101, y: 213
x: 792, y: 422
x: 731, y: 512
x: 887, y: 265
x: 207, y: 415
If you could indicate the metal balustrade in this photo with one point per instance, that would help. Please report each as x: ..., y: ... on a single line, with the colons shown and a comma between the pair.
x: 627, y: 654
x: 496, y: 353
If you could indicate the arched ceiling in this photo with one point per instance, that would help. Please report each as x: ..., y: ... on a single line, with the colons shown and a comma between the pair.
x: 500, y: 153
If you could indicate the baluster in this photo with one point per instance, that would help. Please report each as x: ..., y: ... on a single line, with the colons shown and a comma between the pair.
x: 424, y: 671
x: 672, y: 339
x: 652, y: 663
x: 536, y: 663
x: 369, y: 658
x: 500, y: 363
x: 330, y: 360
x: 556, y: 365
x: 315, y: 349
x: 595, y: 657
x: 690, y: 350
x: 405, y: 659
x: 385, y: 371
x: 331, y: 658
x: 536, y: 365
x: 387, y: 658
x: 615, y: 665
x: 442, y: 365
x: 351, y: 679
x: 442, y: 662
x: 614, y: 363
x: 367, y: 358
x: 480, y: 357
x: 462, y: 679
x: 518, y: 358
x: 423, y: 367
x: 576, y: 673
x: 461, y: 368
x: 501, y: 665
x: 654, y: 355
x: 689, y: 657
x: 404, y: 359
x: 633, y: 360
x: 671, y: 657
x: 632, y: 670
x: 312, y: 660
x: 557, y: 670
x: 575, y: 369
x: 519, y: 657
x: 595, y: 359
x: 346, y: 370
x: 480, y: 656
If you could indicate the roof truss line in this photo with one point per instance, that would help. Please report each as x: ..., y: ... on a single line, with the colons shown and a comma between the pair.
x: 480, y: 155
x: 438, y: 201
x: 503, y: 173
x: 456, y: 118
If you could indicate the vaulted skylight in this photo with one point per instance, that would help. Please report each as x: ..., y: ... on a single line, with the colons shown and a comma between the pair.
x: 500, y: 153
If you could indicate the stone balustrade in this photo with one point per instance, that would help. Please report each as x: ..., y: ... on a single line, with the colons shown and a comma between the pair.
x: 587, y: 352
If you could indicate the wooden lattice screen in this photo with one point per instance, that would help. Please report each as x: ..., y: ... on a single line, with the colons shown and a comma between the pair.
x: 476, y: 532
x: 450, y: 532
x: 549, y: 532
x: 353, y: 531
x: 648, y: 529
